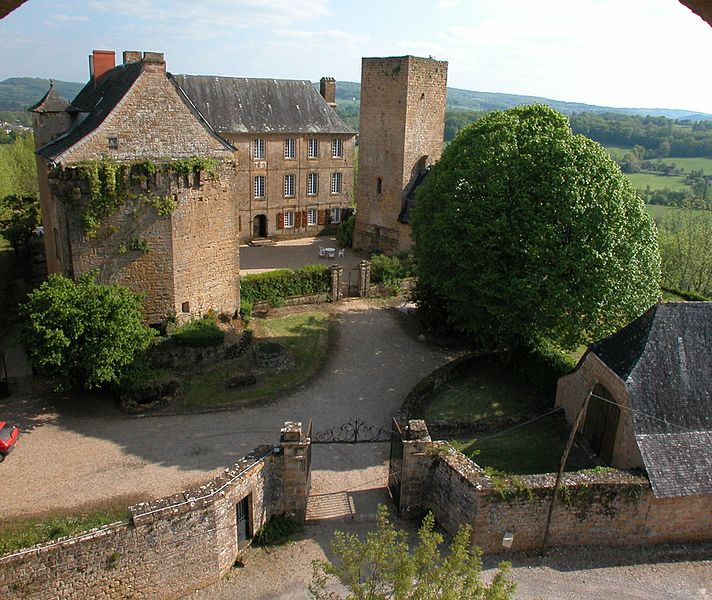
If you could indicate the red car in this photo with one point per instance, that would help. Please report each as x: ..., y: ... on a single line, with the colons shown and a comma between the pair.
x: 8, y: 437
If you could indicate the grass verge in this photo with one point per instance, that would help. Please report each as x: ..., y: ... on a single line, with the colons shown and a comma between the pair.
x: 305, y: 336
x: 489, y: 392
x: 25, y: 533
x: 533, y: 448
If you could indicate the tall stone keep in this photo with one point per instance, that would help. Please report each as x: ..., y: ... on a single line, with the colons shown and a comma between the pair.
x: 401, y: 135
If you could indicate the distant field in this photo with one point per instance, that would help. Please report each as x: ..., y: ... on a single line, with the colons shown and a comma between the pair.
x: 657, y: 182
x: 617, y: 152
x: 657, y: 210
x: 691, y: 164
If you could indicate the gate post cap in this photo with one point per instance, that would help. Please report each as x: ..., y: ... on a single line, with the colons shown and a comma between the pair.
x: 291, y: 432
x: 418, y: 430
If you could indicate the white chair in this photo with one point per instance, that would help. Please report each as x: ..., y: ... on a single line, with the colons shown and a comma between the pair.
x: 322, y: 252
x: 342, y: 252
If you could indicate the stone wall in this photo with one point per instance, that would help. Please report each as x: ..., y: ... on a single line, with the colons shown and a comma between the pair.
x: 571, y: 391
x: 601, y: 508
x: 171, y: 546
x: 401, y: 132
x: 190, y: 260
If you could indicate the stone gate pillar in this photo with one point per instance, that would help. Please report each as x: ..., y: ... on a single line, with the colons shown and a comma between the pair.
x: 295, y: 449
x: 364, y: 280
x: 417, y: 460
x: 337, y: 272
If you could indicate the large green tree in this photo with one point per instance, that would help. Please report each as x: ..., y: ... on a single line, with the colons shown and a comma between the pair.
x: 524, y: 230
x: 83, y: 334
x: 19, y: 217
x: 383, y: 566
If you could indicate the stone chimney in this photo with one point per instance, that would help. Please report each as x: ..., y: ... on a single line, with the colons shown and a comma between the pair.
x: 100, y: 62
x: 153, y: 62
x: 131, y: 56
x: 327, y: 89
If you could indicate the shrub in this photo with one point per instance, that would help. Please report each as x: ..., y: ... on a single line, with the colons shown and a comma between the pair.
x: 278, y: 530
x: 245, y: 310
x: 275, y: 286
x: 200, y: 333
x: 84, y: 334
x: 345, y: 231
x: 391, y: 269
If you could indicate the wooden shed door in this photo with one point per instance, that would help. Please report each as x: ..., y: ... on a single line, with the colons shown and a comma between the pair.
x: 601, y: 424
x: 243, y: 521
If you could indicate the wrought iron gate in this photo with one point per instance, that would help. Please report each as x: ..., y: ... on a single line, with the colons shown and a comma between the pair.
x: 395, y: 463
x: 355, y: 431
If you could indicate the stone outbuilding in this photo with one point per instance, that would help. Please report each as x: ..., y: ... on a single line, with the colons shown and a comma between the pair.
x: 651, y: 402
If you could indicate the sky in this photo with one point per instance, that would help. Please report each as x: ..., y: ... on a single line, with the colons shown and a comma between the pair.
x: 623, y: 53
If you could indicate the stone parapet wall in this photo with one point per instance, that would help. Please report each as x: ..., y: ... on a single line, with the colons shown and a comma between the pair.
x: 166, y: 549
x: 592, y: 508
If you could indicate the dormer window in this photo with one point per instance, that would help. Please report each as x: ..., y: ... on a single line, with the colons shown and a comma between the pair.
x: 114, y: 143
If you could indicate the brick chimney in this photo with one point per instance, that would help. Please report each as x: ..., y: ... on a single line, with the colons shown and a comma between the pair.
x: 100, y: 62
x: 327, y: 89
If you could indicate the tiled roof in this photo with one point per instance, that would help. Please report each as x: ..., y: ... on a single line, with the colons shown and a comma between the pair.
x: 242, y: 105
x: 92, y: 105
x: 665, y: 359
x: 51, y: 102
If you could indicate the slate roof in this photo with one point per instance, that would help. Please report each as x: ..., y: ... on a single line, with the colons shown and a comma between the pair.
x: 50, y: 102
x: 665, y: 359
x: 92, y: 105
x: 247, y: 105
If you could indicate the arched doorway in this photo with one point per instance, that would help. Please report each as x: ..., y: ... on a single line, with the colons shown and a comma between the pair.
x: 601, y: 424
x: 259, y: 226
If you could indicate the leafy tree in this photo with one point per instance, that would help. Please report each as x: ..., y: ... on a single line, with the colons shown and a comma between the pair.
x: 524, y: 230
x: 18, y: 169
x: 83, y: 333
x: 383, y: 567
x: 685, y: 250
x: 20, y: 215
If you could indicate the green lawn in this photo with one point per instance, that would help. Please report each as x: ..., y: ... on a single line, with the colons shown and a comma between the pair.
x: 304, y: 335
x: 657, y: 182
x: 532, y: 448
x: 489, y: 393
x: 24, y: 533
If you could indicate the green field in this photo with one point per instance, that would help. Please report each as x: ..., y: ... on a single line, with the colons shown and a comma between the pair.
x: 691, y: 164
x: 617, y: 152
x: 641, y: 181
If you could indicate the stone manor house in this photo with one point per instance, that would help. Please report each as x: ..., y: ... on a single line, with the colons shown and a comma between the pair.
x: 284, y: 168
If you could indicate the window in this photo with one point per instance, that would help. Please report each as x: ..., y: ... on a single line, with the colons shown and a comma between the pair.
x: 258, y: 150
x: 260, y: 186
x: 288, y: 219
x: 113, y: 143
x: 289, y: 148
x: 185, y: 307
x: 336, y: 214
x: 337, y: 148
x: 311, y: 216
x: 289, y: 185
x: 379, y: 185
x: 312, y: 184
x: 313, y: 148
x: 336, y: 183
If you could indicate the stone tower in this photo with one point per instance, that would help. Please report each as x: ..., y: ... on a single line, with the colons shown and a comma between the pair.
x: 401, y: 135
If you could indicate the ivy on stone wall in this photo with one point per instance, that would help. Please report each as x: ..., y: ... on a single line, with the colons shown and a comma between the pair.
x: 109, y: 186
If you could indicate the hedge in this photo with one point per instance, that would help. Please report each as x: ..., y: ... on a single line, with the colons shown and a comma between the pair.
x: 275, y: 286
x: 199, y: 333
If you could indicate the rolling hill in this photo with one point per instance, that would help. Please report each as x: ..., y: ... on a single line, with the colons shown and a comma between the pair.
x: 19, y: 93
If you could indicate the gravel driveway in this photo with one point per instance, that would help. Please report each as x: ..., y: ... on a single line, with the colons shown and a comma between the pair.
x: 74, y: 454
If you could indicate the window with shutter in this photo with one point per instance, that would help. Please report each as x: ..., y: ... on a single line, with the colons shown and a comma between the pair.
x: 280, y: 220
x: 320, y: 218
x: 298, y: 218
